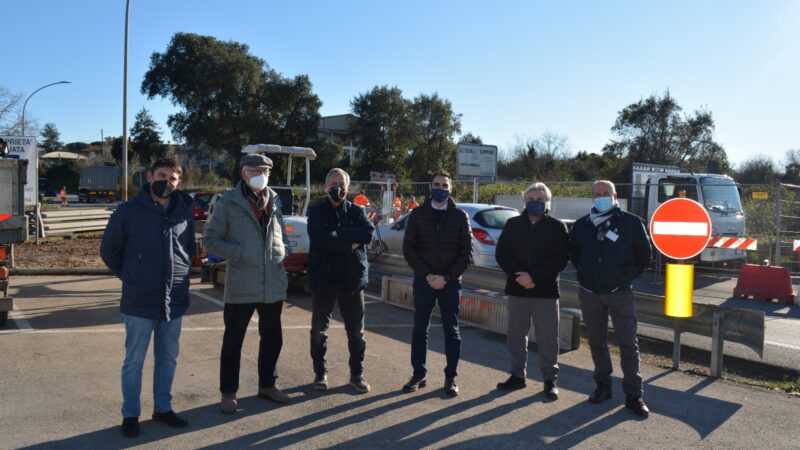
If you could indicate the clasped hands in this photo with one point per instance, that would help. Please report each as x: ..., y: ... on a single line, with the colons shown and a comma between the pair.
x: 436, y: 281
x: 524, y: 279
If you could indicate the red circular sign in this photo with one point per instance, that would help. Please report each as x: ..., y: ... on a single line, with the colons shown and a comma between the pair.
x: 680, y: 228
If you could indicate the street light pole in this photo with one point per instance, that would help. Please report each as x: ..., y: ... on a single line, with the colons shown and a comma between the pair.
x: 29, y: 97
x: 125, y: 111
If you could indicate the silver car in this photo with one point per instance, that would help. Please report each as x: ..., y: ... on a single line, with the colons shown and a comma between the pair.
x: 487, y: 223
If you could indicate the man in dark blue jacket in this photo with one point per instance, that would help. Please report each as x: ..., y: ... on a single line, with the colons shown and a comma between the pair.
x: 337, y: 270
x: 609, y: 248
x: 148, y: 244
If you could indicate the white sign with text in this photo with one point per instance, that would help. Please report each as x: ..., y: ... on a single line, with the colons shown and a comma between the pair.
x: 24, y: 147
x: 476, y: 161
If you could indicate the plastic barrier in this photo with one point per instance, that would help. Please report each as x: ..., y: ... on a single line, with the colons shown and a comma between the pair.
x: 765, y: 283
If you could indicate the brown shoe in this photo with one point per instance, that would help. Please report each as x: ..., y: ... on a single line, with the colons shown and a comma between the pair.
x: 274, y: 394
x: 228, y: 404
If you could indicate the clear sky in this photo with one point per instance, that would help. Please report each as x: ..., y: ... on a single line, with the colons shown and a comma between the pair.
x: 512, y: 68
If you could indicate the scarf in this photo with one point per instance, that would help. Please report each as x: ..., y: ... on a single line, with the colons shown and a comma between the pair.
x: 598, y: 218
x: 263, y: 202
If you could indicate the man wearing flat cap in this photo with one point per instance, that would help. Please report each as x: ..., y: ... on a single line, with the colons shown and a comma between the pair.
x: 246, y: 228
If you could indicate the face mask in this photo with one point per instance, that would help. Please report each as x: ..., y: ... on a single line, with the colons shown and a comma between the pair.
x: 258, y: 182
x: 603, y: 204
x: 439, y: 194
x: 336, y: 193
x: 535, y: 207
x: 162, y: 188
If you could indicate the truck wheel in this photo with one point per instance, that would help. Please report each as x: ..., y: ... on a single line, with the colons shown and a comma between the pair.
x: 3, y: 318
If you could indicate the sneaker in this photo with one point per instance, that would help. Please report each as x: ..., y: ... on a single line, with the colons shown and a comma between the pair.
x: 274, y: 394
x: 170, y: 418
x: 416, y: 382
x: 550, y: 389
x: 321, y: 382
x: 511, y: 384
x: 359, y: 383
x: 450, y: 387
x: 228, y: 404
x: 130, y: 427
x: 601, y: 393
x: 636, y: 404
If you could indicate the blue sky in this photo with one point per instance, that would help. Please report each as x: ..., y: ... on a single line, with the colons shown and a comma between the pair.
x: 512, y: 68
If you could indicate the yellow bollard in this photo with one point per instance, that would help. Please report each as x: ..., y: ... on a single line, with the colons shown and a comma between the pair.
x: 679, y: 287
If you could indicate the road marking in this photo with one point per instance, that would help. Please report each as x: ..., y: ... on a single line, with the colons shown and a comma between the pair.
x: 778, y: 344
x: 681, y: 228
x: 188, y: 329
x: 372, y: 296
x: 23, y: 326
x: 207, y: 297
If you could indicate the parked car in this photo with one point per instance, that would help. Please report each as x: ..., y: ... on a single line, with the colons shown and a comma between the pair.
x: 487, y: 223
x: 200, y: 203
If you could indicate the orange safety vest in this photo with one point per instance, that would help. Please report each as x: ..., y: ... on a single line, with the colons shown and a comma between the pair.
x: 361, y: 200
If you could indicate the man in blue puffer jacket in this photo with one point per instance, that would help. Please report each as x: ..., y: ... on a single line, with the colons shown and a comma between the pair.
x: 148, y: 244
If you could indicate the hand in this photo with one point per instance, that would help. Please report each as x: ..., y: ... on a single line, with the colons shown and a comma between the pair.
x: 524, y: 279
x: 437, y: 282
x: 354, y: 246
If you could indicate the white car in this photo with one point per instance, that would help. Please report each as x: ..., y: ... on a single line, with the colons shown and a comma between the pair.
x: 487, y: 223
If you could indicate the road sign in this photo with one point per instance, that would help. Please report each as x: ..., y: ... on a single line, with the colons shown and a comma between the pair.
x: 680, y: 228
x: 476, y: 162
x: 24, y: 147
x: 761, y: 195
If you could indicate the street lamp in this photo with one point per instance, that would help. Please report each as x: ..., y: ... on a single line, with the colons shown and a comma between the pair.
x: 29, y: 97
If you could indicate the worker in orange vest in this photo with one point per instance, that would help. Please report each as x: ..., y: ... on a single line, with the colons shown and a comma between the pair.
x: 361, y: 199
x: 63, y: 194
x: 412, y: 203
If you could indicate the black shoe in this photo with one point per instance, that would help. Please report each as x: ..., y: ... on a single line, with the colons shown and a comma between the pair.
x: 130, y: 427
x: 416, y: 382
x: 601, y: 393
x: 359, y: 383
x: 511, y: 384
x: 450, y: 387
x: 170, y: 418
x: 550, y: 390
x: 321, y: 382
x: 636, y: 404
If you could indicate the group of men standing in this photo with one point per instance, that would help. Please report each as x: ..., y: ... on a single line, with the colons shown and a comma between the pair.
x: 149, y: 244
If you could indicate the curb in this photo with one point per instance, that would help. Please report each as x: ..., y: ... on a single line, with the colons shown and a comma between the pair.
x: 81, y: 271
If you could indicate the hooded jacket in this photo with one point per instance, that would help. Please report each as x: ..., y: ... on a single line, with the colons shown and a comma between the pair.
x: 254, y: 256
x: 150, y: 249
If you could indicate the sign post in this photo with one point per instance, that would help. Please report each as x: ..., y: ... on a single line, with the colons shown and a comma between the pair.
x: 680, y: 229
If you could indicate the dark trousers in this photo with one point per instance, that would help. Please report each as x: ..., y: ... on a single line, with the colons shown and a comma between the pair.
x: 596, y: 308
x: 425, y: 298
x: 237, y: 317
x: 351, y: 305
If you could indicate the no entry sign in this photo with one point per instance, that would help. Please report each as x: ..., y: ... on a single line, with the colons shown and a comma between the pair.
x: 680, y: 228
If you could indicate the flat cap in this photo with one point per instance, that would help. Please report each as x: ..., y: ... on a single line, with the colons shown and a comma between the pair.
x: 255, y: 160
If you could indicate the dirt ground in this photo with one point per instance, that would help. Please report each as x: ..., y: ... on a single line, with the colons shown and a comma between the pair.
x: 80, y: 251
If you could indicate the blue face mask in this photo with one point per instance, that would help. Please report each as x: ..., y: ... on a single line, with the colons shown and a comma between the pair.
x: 603, y: 204
x: 439, y: 194
x: 535, y: 207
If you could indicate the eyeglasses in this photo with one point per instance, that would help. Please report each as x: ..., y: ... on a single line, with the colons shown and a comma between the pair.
x: 257, y: 170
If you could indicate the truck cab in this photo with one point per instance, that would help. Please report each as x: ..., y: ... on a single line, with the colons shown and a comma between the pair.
x: 717, y: 193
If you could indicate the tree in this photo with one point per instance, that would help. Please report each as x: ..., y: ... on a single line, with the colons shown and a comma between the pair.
x: 329, y: 155
x: 470, y: 138
x: 146, y: 139
x: 758, y: 170
x: 792, y: 163
x: 9, y: 114
x: 76, y: 147
x: 654, y: 131
x: 384, y: 130
x: 229, y: 97
x: 435, y: 126
x: 544, y: 157
x: 50, y: 138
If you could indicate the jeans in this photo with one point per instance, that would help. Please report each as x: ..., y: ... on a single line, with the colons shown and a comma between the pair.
x: 165, y: 346
x: 237, y: 317
x: 352, y: 308
x: 425, y: 298
x: 596, y: 309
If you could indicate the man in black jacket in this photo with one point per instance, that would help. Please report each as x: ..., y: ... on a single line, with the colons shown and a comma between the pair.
x: 337, y: 271
x: 438, y: 247
x: 609, y: 248
x: 532, y: 250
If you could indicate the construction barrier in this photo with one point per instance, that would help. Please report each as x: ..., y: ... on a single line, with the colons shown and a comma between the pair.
x: 60, y: 223
x: 765, y: 283
x: 734, y: 243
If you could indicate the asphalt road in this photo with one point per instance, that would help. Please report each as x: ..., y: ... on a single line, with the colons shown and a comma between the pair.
x: 61, y: 358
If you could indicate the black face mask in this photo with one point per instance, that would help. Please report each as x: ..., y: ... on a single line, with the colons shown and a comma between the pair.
x: 336, y: 193
x: 162, y: 188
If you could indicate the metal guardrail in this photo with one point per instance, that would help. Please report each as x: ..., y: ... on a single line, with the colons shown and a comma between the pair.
x: 60, y: 223
x: 720, y: 323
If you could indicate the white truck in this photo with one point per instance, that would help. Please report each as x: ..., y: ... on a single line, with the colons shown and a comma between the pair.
x: 651, y: 186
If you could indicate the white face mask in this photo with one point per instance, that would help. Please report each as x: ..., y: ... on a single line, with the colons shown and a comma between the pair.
x: 258, y: 182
